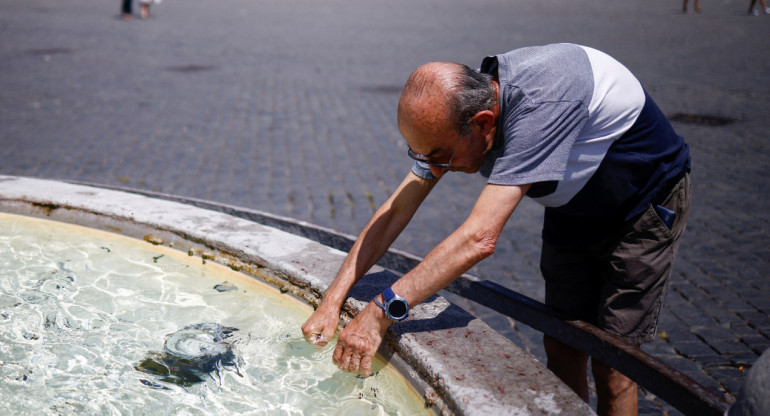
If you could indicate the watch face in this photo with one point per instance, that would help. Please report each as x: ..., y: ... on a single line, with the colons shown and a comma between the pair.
x: 397, y: 308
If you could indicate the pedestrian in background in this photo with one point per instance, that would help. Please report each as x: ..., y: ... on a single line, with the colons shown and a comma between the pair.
x: 753, y: 12
x: 697, y: 6
x: 146, y: 7
x: 126, y: 9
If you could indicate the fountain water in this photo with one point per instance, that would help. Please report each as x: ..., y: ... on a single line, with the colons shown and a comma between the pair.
x: 96, y: 323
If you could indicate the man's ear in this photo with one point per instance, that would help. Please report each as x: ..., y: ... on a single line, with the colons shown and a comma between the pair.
x: 485, y: 121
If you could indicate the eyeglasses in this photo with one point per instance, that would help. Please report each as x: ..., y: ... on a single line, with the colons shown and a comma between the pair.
x: 424, y: 159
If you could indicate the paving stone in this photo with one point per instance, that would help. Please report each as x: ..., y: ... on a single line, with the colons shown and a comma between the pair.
x: 712, y: 332
x: 659, y: 349
x: 676, y: 336
x: 695, y: 317
x: 761, y: 303
x: 743, y: 360
x: 758, y: 347
x: 729, y: 347
x: 710, y: 361
x: 755, y: 318
x: 731, y: 378
x: 729, y: 321
x: 764, y: 331
x: 694, y: 349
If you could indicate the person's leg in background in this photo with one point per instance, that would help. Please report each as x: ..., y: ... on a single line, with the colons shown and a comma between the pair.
x: 125, y: 9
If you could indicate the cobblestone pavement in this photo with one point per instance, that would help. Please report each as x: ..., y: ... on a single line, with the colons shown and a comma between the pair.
x: 289, y: 107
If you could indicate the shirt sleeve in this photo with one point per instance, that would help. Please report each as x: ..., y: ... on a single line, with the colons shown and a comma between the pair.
x: 537, y: 139
x: 422, y: 170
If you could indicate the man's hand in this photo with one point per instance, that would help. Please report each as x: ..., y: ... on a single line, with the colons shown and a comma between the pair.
x: 359, y: 341
x: 321, y: 326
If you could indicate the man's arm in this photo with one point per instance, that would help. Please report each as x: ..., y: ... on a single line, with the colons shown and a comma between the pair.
x: 472, y: 242
x: 384, y: 227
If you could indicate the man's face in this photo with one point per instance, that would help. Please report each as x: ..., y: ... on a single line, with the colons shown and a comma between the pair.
x: 464, y: 153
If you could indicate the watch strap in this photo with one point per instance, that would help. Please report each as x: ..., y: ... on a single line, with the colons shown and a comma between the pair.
x: 377, y: 302
x: 388, y: 294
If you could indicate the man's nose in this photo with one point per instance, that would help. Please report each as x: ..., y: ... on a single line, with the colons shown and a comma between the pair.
x: 437, y: 171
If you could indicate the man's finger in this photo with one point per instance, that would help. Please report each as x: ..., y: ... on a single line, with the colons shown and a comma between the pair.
x: 320, y: 341
x: 337, y: 356
x: 317, y: 339
x: 346, y: 359
x: 355, y: 363
x: 366, y: 367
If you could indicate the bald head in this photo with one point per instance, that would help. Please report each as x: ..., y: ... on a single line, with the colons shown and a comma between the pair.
x: 424, y: 103
x: 439, y: 95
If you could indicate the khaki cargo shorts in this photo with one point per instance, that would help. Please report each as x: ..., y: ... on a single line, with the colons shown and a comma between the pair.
x: 619, y: 283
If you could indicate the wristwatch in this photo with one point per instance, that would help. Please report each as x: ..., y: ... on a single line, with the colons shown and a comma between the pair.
x: 395, y: 307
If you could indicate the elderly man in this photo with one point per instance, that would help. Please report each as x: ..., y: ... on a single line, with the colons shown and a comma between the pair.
x: 571, y: 128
